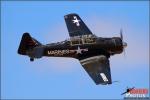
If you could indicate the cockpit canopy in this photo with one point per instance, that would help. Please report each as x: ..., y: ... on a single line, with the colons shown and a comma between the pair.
x: 83, y: 39
x: 77, y: 40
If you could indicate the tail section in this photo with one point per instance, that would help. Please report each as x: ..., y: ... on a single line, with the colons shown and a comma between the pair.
x: 27, y: 43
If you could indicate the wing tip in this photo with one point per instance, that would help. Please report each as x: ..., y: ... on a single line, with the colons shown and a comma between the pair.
x: 71, y: 14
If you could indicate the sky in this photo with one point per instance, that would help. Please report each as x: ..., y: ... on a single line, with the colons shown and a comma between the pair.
x: 64, y: 78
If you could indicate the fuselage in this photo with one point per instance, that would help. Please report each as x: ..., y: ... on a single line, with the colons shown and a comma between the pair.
x: 83, y: 47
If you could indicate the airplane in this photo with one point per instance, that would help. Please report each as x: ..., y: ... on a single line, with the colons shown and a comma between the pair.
x: 92, y: 52
x: 128, y: 90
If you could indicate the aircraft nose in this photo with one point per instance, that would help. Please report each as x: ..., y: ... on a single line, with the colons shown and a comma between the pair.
x: 124, y: 44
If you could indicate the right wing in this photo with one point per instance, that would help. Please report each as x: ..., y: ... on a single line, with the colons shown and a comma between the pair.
x: 98, y: 69
x: 76, y: 26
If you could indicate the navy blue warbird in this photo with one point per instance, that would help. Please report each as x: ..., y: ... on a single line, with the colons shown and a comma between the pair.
x: 93, y: 52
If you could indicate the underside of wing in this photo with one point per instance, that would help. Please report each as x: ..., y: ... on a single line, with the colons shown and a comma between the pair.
x: 76, y: 26
x: 98, y: 69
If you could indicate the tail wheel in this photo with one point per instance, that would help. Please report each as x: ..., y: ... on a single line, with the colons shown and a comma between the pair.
x: 31, y: 59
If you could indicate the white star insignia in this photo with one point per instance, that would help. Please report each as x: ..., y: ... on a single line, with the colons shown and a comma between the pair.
x: 76, y: 21
x: 79, y: 50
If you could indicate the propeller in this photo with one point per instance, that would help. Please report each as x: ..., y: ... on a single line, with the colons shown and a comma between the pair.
x: 124, y: 44
x: 121, y: 36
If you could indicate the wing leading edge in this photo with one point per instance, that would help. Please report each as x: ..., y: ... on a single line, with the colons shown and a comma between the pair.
x: 76, y: 26
x: 98, y: 69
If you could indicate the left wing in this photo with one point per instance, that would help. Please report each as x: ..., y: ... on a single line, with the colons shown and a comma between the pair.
x: 76, y: 26
x: 98, y: 69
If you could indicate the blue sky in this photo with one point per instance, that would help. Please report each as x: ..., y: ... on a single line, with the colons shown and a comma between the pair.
x: 64, y: 78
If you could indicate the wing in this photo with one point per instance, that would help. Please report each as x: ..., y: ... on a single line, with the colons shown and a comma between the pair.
x: 98, y: 69
x: 76, y: 26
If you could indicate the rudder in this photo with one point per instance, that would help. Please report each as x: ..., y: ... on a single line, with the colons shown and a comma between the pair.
x: 27, y: 43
